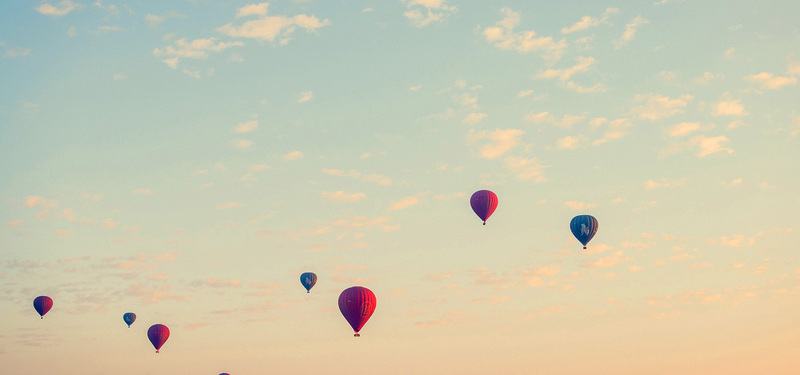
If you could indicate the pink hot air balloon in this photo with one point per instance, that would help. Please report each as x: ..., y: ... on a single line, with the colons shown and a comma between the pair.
x: 357, y: 304
x: 42, y: 304
x: 158, y: 335
x: 483, y: 202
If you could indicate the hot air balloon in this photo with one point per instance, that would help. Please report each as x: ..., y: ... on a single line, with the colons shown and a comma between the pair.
x: 158, y: 335
x: 584, y: 228
x: 129, y: 318
x: 357, y: 304
x: 224, y: 373
x: 483, y: 202
x: 308, y: 280
x: 42, y: 304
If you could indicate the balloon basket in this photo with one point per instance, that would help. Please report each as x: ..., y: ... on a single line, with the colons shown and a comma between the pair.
x: 357, y: 335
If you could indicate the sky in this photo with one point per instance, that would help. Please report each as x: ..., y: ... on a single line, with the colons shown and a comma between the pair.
x: 188, y: 160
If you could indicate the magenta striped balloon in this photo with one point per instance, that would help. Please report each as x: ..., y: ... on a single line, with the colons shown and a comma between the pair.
x: 158, y: 335
x: 357, y: 305
x: 483, y: 202
x: 42, y: 304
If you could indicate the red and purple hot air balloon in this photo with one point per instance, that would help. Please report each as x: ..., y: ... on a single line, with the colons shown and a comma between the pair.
x: 357, y: 304
x: 42, y: 304
x: 483, y: 202
x: 158, y: 335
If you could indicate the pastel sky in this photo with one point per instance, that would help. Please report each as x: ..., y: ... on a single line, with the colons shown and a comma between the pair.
x: 188, y: 160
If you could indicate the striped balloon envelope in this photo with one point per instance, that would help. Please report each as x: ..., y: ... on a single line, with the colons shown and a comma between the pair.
x: 308, y: 280
x: 357, y: 305
x: 483, y: 202
x: 42, y: 304
x: 583, y: 228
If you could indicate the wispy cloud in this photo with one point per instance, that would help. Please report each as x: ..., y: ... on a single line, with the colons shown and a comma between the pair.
x: 657, y: 107
x: 270, y: 27
x: 578, y: 206
x: 305, y: 96
x: 341, y: 196
x: 768, y: 81
x: 587, y: 21
x: 729, y: 108
x: 294, y: 155
x: 424, y: 12
x: 630, y: 32
x: 503, y: 36
x: 499, y: 142
x: 196, y: 49
x: 403, y: 203
x: 228, y: 205
x: 62, y: 9
x: 246, y: 127
x: 525, y: 169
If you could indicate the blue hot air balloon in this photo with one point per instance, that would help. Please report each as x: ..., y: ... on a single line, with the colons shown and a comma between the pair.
x: 308, y: 280
x: 129, y: 318
x: 584, y: 228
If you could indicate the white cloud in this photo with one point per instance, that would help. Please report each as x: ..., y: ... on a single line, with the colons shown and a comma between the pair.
x: 246, y: 127
x: 616, y: 129
x: 657, y: 107
x: 500, y: 141
x: 587, y: 22
x: 729, y: 52
x: 228, y: 205
x: 294, y: 155
x: 503, y: 36
x: 524, y: 93
x: 424, y: 12
x: 109, y: 224
x: 569, y: 142
x: 683, y: 128
x: 270, y: 27
x: 17, y: 52
x: 305, y: 96
x: 609, y: 261
x: 34, y: 201
x: 415, y: 88
x: 196, y: 49
x: 339, y: 172
x: 142, y: 191
x: 730, y: 108
x: 525, y: 169
x: 768, y: 81
x: 650, y: 184
x: 253, y: 10
x: 403, y: 203
x: 473, y: 118
x: 62, y: 9
x: 711, y: 145
x: 378, y: 179
x: 583, y: 65
x: 341, y: 196
x: 578, y: 206
x: 242, y: 143
x: 630, y: 32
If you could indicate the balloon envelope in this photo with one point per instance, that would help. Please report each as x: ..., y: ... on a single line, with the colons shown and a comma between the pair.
x: 308, y: 280
x: 357, y: 304
x: 129, y: 318
x: 583, y: 228
x: 158, y: 335
x: 483, y: 202
x: 42, y: 304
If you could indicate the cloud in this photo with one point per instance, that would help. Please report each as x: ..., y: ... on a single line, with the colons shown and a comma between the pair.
x: 142, y: 191
x: 483, y: 276
x: 736, y: 240
x: 339, y: 172
x: 535, y: 276
x: 109, y: 224
x: 34, y: 201
x: 17, y: 52
x: 606, y: 262
x: 711, y: 145
x: 218, y: 283
x: 730, y: 108
x: 729, y: 52
x: 768, y: 81
x: 630, y: 32
x: 63, y: 8
x: 683, y: 128
x: 64, y: 232
x: 151, y: 295
x: 616, y: 129
x: 403, y: 203
x: 252, y: 10
x: 228, y: 205
x: 294, y: 155
x: 378, y: 179
x: 270, y: 27
x: 500, y: 141
x: 305, y: 96
x: 242, y: 143
x: 246, y: 127
x: 341, y: 196
x: 473, y: 118
x: 196, y: 49
x: 583, y: 65
x: 424, y: 12
x: 650, y: 184
x: 15, y: 223
x: 525, y: 169
x: 502, y: 35
x: 571, y: 143
x: 578, y: 206
x: 658, y: 107
x: 587, y: 22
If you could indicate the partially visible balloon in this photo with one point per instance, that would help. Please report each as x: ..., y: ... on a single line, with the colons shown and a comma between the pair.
x: 483, y: 202
x: 129, y: 318
x: 158, y: 335
x: 308, y: 280
x: 357, y: 305
x: 42, y: 304
x: 224, y: 373
x: 583, y: 228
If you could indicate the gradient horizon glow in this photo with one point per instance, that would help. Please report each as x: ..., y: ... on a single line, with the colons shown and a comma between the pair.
x: 187, y: 160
